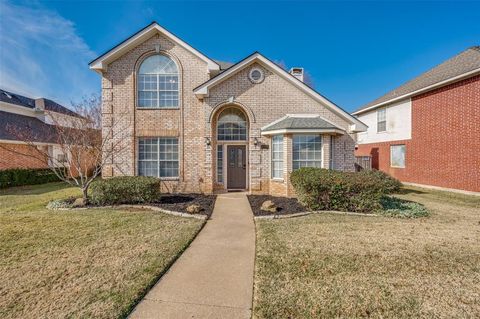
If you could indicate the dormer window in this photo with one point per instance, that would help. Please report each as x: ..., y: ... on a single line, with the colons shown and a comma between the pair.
x: 158, y: 83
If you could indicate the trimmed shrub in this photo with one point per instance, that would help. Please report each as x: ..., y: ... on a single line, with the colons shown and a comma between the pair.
x: 387, y: 183
x: 323, y: 189
x: 125, y: 190
x: 396, y: 207
x: 26, y: 176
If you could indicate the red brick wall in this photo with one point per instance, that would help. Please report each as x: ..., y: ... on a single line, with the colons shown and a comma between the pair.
x: 445, y: 147
x: 10, y: 159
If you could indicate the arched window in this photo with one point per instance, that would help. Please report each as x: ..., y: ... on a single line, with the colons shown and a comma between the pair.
x: 158, y: 82
x: 232, y: 125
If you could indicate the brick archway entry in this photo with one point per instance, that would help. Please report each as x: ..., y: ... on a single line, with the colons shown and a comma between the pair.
x: 230, y: 129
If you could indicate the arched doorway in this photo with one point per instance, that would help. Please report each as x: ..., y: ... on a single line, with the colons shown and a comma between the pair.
x: 231, y: 135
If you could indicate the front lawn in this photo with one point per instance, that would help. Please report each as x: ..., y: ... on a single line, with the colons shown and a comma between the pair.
x: 91, y: 263
x: 330, y: 265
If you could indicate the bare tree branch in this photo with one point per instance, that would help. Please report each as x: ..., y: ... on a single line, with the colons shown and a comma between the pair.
x: 74, y: 147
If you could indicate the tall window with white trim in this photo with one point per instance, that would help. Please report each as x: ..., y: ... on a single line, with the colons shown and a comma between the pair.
x: 307, y: 151
x: 158, y: 157
x: 158, y: 83
x: 220, y: 163
x: 277, y: 156
x: 397, y: 156
x: 381, y: 119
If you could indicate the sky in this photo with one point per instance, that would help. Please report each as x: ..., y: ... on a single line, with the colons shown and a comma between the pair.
x: 353, y: 51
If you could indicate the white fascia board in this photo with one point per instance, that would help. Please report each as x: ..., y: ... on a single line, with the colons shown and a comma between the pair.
x: 98, y: 64
x: 202, y: 91
x: 17, y: 109
x: 423, y: 90
x: 26, y: 143
x: 302, y: 131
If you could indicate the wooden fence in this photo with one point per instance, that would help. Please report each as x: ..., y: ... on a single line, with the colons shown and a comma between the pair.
x: 363, y: 163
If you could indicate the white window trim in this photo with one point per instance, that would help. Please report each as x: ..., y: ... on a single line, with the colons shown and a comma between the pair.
x: 391, y: 157
x: 384, y: 109
x: 223, y: 161
x: 179, y: 87
x: 277, y: 161
x: 169, y: 178
x: 321, y: 151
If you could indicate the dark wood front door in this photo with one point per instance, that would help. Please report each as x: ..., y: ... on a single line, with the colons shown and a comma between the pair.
x: 236, y: 167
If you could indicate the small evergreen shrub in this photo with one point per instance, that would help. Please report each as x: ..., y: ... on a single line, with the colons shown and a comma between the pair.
x: 388, y: 184
x: 125, y: 190
x: 26, y: 176
x: 322, y: 189
x: 396, y: 207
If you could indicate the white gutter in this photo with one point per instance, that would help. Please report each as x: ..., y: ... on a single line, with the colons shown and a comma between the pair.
x: 302, y: 131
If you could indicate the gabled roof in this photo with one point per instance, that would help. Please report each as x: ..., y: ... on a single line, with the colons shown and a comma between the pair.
x: 301, y: 123
x: 153, y: 28
x: 20, y: 100
x: 203, y: 90
x: 16, y: 127
x: 463, y: 65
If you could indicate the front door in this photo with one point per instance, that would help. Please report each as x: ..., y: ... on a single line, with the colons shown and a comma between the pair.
x: 236, y: 167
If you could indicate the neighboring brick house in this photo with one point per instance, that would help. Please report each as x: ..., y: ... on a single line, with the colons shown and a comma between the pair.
x: 203, y: 125
x: 23, y: 117
x: 427, y: 131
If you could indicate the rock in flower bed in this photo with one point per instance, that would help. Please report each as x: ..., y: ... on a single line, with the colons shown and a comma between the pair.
x: 185, y: 203
x: 285, y: 205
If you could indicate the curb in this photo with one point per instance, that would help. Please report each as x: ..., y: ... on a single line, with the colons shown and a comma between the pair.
x: 315, y: 212
x: 153, y: 208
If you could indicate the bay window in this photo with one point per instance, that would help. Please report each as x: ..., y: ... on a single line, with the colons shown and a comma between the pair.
x: 307, y: 151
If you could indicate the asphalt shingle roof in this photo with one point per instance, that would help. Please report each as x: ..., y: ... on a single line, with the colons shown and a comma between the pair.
x: 300, y: 123
x: 15, y: 127
x: 24, y: 101
x: 224, y: 65
x: 463, y: 62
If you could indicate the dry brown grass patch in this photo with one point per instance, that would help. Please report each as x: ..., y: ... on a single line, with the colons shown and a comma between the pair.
x: 89, y: 264
x: 324, y: 266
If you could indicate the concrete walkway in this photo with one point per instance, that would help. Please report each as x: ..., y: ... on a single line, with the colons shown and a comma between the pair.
x: 214, y: 276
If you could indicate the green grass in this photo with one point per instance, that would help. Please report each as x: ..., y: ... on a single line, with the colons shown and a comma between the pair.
x: 89, y: 263
x: 338, y: 266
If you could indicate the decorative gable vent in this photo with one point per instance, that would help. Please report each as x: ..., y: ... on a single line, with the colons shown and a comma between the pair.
x: 297, y: 72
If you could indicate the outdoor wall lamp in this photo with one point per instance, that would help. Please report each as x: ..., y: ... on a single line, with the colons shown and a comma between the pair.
x: 255, y: 141
x: 208, y: 141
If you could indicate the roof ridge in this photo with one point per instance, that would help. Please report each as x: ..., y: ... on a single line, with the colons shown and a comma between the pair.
x: 450, y: 68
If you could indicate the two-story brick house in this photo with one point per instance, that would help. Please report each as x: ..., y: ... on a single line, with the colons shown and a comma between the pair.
x: 427, y: 130
x: 203, y: 125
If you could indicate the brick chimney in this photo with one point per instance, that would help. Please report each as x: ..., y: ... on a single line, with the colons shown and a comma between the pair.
x: 40, y: 104
x: 297, y: 72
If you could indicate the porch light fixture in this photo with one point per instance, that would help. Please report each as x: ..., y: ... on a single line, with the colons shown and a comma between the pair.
x: 208, y: 141
x: 255, y: 141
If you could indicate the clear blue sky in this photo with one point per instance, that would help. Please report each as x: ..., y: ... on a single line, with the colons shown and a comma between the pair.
x: 354, y: 51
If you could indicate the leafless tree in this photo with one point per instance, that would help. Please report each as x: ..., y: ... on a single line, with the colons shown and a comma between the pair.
x: 79, y: 150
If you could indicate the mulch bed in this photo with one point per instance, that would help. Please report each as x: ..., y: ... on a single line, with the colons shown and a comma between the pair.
x: 286, y: 206
x: 180, y: 202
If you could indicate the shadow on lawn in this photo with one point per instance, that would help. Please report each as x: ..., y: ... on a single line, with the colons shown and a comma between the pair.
x: 407, y: 191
